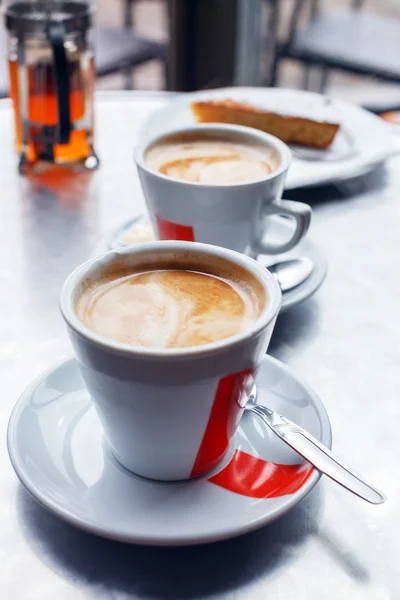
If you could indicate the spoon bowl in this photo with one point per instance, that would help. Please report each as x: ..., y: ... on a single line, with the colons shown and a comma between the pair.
x: 291, y: 272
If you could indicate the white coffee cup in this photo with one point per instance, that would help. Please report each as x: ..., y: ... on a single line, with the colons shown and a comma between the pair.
x: 233, y: 216
x: 169, y: 413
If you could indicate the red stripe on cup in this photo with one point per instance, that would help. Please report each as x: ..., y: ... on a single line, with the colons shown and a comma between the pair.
x: 173, y: 231
x: 256, y: 478
x: 225, y: 413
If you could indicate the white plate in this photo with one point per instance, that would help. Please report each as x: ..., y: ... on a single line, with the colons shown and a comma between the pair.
x: 56, y: 447
x: 140, y: 230
x: 363, y: 141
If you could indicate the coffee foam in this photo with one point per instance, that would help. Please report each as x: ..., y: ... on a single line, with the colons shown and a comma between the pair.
x: 168, y: 308
x: 127, y: 264
x: 211, y: 159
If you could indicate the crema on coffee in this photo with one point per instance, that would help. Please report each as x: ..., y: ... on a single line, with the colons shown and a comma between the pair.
x: 211, y: 160
x: 168, y: 308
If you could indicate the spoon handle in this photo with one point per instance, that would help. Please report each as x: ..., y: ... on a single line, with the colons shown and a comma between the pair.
x: 316, y: 453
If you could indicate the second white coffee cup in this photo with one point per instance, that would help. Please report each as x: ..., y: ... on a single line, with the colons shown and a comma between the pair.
x: 233, y: 216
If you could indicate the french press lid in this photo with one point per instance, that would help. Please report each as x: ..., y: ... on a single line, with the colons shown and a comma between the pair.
x: 32, y: 18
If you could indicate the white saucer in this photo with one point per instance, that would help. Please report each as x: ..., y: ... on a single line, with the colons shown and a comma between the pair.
x: 140, y: 230
x: 57, y: 449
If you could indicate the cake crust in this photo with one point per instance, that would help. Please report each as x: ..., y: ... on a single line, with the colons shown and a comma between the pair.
x: 292, y: 130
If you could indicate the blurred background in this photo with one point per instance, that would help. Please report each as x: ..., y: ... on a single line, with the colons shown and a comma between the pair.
x: 348, y: 48
x: 245, y: 37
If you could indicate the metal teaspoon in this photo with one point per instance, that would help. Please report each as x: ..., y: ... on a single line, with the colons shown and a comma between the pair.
x: 314, y: 452
x: 291, y: 272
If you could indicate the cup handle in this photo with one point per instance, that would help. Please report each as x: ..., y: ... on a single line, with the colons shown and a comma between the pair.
x: 299, y: 211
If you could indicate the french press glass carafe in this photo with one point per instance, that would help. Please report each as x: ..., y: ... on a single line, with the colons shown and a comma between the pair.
x: 52, y: 81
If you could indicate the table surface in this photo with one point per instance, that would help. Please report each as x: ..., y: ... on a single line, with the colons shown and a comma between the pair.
x: 345, y: 341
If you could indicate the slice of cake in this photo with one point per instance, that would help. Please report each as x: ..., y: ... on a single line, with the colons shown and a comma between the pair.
x: 292, y: 130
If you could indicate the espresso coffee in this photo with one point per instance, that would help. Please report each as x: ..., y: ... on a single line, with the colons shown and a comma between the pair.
x: 212, y: 160
x: 168, y: 308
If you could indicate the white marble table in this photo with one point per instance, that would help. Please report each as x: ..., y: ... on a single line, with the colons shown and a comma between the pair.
x: 345, y: 341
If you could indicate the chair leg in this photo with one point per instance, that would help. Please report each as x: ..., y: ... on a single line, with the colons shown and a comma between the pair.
x: 273, y: 78
x: 165, y: 69
x: 128, y: 78
x: 315, y: 78
x: 128, y: 19
x: 307, y: 77
x: 323, y: 80
x: 271, y: 46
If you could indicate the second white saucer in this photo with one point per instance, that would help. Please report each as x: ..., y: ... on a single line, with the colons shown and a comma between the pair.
x: 139, y: 230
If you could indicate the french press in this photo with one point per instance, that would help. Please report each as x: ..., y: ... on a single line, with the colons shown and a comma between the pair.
x: 52, y: 81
